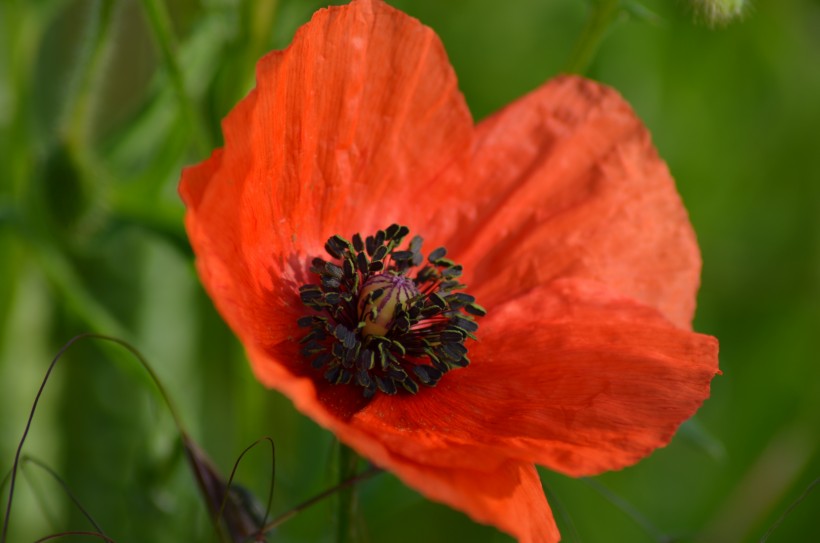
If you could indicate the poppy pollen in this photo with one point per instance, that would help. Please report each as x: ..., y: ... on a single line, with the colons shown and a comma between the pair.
x: 386, y: 320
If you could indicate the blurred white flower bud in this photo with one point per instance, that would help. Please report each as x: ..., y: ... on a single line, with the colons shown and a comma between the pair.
x: 720, y: 11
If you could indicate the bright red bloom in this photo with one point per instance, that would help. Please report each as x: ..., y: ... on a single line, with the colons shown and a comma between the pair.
x: 567, y: 223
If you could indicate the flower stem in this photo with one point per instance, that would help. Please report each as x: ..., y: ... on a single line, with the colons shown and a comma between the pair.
x: 602, y: 14
x: 79, y: 104
x: 653, y: 531
x: 160, y: 23
x: 348, y: 460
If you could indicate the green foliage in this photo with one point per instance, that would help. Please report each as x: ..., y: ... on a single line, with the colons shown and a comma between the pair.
x: 101, y: 105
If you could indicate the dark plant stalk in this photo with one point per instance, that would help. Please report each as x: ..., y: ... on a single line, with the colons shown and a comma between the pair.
x: 348, y: 461
x: 270, y: 487
x: 287, y: 515
x: 789, y: 509
x: 66, y: 489
x: 63, y: 349
x: 39, y: 496
x: 64, y: 534
x: 7, y: 515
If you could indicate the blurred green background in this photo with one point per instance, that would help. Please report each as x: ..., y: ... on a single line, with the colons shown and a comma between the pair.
x: 94, y: 130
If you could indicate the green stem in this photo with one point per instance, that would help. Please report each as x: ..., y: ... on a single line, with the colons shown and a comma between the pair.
x: 654, y: 532
x: 259, y: 18
x: 160, y: 23
x: 78, y: 107
x: 603, y: 13
x: 67, y: 281
x: 348, y: 460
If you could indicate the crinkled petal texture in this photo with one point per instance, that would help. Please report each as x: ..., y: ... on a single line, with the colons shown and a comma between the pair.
x: 567, y: 222
x: 566, y: 182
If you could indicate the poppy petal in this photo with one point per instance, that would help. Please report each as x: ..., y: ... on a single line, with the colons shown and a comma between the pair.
x: 509, y: 497
x: 565, y: 182
x: 328, y: 142
x: 570, y: 376
x: 491, y: 489
x: 362, y: 104
x: 568, y: 225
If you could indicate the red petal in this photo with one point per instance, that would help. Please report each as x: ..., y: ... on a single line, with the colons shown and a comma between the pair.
x: 360, y: 108
x: 510, y: 497
x: 565, y: 182
x: 572, y: 377
x: 491, y: 489
x: 340, y: 131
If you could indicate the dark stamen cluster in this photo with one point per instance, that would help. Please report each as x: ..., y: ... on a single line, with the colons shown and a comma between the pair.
x: 423, y: 322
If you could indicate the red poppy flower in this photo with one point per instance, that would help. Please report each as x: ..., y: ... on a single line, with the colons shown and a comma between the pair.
x: 567, y: 224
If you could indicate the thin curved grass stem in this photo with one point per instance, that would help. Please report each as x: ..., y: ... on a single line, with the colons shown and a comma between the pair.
x: 60, y: 353
x: 789, y: 509
x: 49, y: 517
x: 42, y: 465
x: 270, y: 487
x: 64, y: 534
x: 16, y: 463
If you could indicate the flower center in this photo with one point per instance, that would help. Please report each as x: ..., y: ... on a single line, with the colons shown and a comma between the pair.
x: 381, y: 296
x: 385, y: 320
